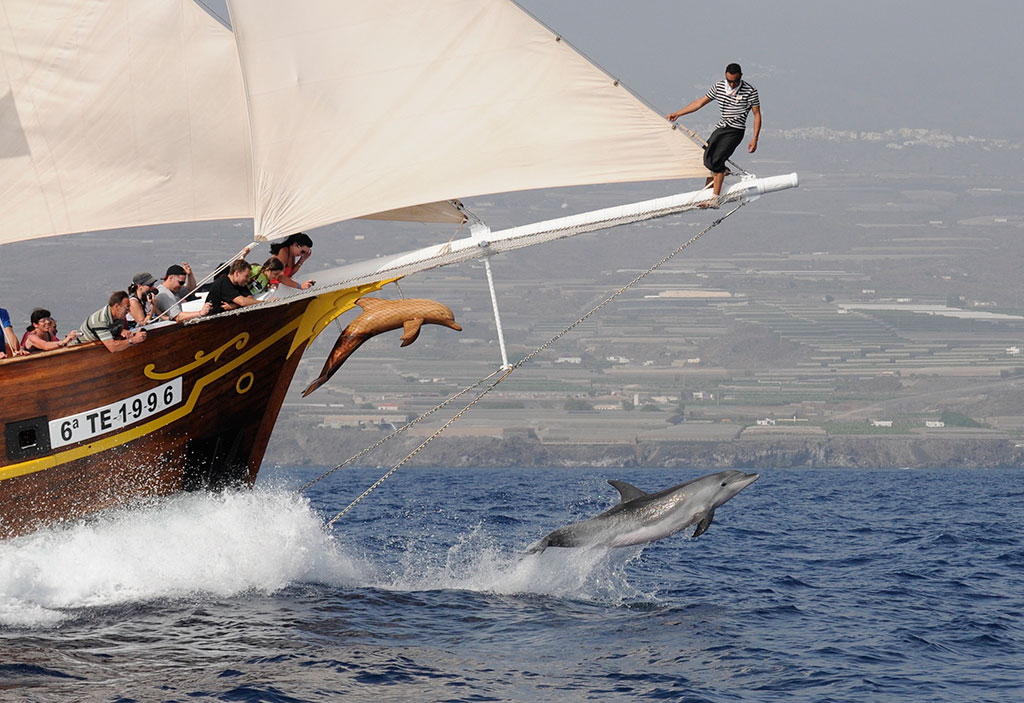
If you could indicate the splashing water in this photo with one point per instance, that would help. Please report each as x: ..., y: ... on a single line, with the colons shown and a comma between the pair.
x: 227, y: 544
x: 476, y: 563
x: 220, y: 544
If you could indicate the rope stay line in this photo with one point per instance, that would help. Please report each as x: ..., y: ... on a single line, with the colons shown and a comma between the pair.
x: 508, y: 372
x: 397, y: 432
x: 700, y: 140
x: 242, y: 253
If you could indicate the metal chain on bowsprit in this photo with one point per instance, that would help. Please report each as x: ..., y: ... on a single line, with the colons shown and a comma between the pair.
x: 508, y: 371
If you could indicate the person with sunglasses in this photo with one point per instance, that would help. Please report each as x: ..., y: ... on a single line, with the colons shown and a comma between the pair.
x: 140, y: 300
x: 178, y: 282
x: 736, y: 98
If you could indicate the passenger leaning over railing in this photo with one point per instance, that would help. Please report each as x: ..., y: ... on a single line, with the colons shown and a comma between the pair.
x: 231, y: 292
x: 107, y: 325
x: 11, y: 346
x: 42, y: 333
x: 178, y: 282
x: 140, y: 300
x: 262, y: 278
x: 292, y: 253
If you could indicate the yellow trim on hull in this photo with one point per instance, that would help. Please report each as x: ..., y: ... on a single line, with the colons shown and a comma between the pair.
x: 318, y: 314
x: 327, y: 307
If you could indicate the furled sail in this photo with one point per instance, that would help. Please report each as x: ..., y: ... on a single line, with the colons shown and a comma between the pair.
x: 118, y: 113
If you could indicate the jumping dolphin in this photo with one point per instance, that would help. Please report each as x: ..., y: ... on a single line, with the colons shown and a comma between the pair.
x: 381, y: 316
x: 645, y: 517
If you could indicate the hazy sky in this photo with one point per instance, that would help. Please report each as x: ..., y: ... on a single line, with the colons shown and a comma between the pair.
x: 864, y: 65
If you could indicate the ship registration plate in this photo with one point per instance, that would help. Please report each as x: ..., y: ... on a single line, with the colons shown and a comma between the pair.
x: 116, y: 415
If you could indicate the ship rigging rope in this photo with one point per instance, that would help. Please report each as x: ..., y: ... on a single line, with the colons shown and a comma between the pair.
x: 242, y: 253
x: 700, y: 140
x: 400, y: 430
x: 505, y: 375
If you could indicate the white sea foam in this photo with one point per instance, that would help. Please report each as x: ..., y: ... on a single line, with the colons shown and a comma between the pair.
x: 224, y: 545
x: 201, y: 543
x: 476, y: 563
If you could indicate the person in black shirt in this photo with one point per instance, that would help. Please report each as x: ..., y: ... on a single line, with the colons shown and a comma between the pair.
x: 231, y: 292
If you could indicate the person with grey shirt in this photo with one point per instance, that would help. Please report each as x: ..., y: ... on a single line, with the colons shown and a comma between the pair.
x: 178, y: 282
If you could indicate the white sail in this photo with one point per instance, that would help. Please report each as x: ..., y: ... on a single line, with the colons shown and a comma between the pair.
x: 364, y: 106
x: 116, y: 113
x: 119, y: 113
x: 443, y: 211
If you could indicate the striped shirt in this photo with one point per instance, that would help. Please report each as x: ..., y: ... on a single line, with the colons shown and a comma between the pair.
x: 101, y: 325
x: 734, y: 106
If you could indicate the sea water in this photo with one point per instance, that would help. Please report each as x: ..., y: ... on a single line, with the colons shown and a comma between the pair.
x: 818, y: 585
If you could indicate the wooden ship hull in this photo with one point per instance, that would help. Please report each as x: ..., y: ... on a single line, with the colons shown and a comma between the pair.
x: 192, y: 407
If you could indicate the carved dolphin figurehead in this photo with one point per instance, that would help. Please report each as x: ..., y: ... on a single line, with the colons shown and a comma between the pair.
x: 382, y: 316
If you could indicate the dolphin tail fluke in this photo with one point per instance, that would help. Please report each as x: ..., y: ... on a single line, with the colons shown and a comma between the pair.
x: 368, y: 304
x: 705, y: 523
x: 538, y: 547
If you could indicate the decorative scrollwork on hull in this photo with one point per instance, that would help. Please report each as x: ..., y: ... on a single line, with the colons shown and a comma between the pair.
x: 239, y: 342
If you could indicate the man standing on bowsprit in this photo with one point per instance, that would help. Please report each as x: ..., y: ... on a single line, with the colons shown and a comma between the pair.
x: 736, y: 98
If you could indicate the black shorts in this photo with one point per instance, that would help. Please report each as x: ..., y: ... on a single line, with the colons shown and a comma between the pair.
x: 721, y: 144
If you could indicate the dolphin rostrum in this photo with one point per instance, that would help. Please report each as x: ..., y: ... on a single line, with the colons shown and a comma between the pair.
x: 381, y: 316
x: 641, y: 517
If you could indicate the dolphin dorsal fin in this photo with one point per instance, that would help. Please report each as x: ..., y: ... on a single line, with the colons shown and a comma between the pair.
x: 627, y: 491
x: 368, y: 304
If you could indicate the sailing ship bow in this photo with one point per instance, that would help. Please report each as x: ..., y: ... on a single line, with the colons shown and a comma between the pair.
x: 126, y: 113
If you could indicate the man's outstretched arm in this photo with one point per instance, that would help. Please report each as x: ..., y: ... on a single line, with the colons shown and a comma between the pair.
x: 692, y: 107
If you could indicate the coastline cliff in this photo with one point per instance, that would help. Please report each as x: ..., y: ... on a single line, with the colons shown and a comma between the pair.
x: 322, y: 447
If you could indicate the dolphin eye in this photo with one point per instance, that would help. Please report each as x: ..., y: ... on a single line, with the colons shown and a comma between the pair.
x: 723, y: 484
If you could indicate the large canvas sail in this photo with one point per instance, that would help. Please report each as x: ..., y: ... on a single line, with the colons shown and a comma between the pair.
x: 119, y: 113
x: 116, y: 113
x: 363, y: 106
